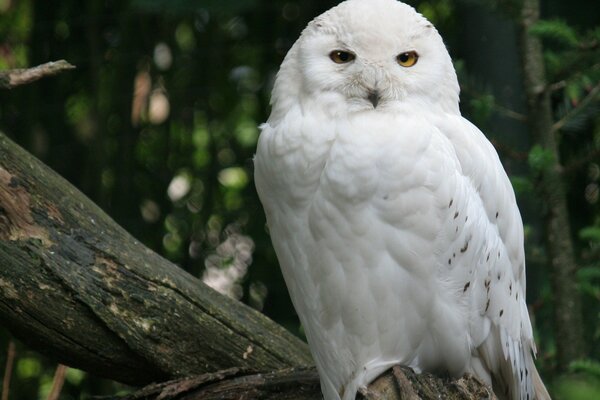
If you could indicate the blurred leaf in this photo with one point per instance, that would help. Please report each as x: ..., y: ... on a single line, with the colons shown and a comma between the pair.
x: 233, y: 178
x: 591, y: 233
x: 29, y: 367
x: 184, y: 36
x: 521, y: 184
x: 588, y: 273
x: 556, y: 30
x: 590, y: 367
x: 437, y: 11
x: 482, y: 108
x: 577, y: 388
x: 539, y: 158
x: 247, y: 133
x: 573, y: 92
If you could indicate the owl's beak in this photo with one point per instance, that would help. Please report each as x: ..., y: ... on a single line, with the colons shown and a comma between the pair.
x: 374, y: 97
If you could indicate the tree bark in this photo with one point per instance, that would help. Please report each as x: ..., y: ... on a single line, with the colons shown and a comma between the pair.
x: 303, y: 384
x: 77, y: 287
x: 567, y: 304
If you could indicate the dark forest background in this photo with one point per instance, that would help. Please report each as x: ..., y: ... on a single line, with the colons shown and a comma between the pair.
x: 158, y: 125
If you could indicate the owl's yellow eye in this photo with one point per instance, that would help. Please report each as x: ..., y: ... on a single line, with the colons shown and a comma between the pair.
x: 341, y: 56
x: 407, y: 59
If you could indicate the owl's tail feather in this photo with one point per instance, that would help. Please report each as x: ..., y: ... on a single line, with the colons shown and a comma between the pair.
x: 540, y: 389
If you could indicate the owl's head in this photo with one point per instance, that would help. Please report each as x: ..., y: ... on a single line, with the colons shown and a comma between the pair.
x: 367, y: 55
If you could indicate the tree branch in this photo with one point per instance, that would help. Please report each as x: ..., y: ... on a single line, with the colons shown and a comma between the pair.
x: 303, y: 384
x: 16, y: 77
x: 77, y: 287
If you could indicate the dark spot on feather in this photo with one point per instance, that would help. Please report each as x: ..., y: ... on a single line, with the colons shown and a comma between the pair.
x: 453, y: 254
x: 496, y: 214
x: 466, y: 218
x: 517, y: 295
x: 449, y: 261
x: 487, y: 305
x: 498, y: 254
x: 510, y: 288
x: 498, y: 275
x: 455, y: 215
x: 526, y: 372
x: 521, y: 375
x: 450, y: 204
x: 457, y: 229
x: 387, y: 196
x: 488, y: 257
x: 465, y: 247
x: 501, y: 312
x: 466, y: 286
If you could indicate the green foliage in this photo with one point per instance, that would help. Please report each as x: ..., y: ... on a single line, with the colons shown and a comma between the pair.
x: 437, y: 11
x: 482, y: 108
x: 14, y: 33
x: 591, y: 233
x: 573, y: 64
x: 589, y: 281
x: 589, y: 367
x: 522, y: 185
x: 576, y: 388
x: 582, y: 382
x: 556, y: 30
x: 540, y: 159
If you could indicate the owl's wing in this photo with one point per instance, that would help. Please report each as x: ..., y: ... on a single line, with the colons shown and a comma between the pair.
x: 492, y: 275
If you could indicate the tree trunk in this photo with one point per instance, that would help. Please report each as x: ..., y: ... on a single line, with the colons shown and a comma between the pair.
x: 567, y: 304
x: 77, y: 287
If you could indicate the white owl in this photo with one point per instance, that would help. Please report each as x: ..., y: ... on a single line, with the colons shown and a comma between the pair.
x: 393, y: 220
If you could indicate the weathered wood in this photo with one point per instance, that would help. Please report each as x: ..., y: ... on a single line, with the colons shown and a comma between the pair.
x: 76, y: 286
x: 303, y: 384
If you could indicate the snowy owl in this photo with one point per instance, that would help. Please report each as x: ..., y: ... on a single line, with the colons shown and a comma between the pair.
x: 395, y: 225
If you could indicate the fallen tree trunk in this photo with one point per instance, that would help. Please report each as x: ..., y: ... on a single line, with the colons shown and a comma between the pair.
x: 77, y: 287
